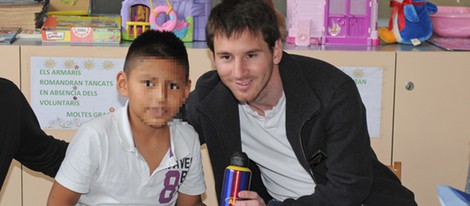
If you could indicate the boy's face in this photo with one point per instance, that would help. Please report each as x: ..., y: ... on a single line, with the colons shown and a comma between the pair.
x: 156, y: 89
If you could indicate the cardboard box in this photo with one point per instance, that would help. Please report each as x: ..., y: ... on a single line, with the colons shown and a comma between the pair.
x: 82, y: 29
x: 69, y: 7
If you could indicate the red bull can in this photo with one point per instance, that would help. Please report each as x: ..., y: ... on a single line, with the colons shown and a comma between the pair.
x: 237, y: 177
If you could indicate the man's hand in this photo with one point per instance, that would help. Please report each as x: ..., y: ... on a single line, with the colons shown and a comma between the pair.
x: 250, y: 198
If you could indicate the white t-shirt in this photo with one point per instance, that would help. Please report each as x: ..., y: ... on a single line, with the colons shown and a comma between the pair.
x: 103, y: 164
x: 265, y: 141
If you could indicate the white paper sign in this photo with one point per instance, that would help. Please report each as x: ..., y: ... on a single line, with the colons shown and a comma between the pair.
x: 369, y: 82
x: 67, y: 92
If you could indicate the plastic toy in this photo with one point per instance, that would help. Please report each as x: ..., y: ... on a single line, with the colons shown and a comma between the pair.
x: 332, y: 22
x: 135, y: 18
x: 170, y: 25
x: 186, y: 18
x: 351, y: 25
x: 195, y: 12
x: 305, y: 22
x: 409, y: 22
x: 176, y: 19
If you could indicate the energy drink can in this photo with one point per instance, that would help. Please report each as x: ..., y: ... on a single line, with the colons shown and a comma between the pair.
x: 237, y: 177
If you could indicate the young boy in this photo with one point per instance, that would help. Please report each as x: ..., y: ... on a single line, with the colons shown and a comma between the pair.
x: 138, y: 155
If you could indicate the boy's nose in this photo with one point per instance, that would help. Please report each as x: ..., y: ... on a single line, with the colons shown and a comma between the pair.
x: 159, y: 93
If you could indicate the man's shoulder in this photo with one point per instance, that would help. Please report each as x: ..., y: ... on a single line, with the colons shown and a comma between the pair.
x: 204, y: 85
x: 208, y: 80
x: 321, y: 76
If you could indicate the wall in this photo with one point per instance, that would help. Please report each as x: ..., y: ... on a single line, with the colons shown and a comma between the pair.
x: 384, y: 9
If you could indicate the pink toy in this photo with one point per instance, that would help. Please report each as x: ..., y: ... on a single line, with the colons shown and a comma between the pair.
x: 305, y: 22
x: 198, y: 10
x: 188, y: 20
x: 332, y: 22
x: 347, y: 22
x: 169, y: 25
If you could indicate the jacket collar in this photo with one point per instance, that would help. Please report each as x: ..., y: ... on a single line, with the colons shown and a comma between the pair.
x: 301, y: 101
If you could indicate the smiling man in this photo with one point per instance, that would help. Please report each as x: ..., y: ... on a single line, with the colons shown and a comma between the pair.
x: 300, y: 120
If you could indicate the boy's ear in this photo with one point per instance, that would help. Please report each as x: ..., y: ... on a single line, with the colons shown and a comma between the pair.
x: 187, y: 89
x: 121, y: 80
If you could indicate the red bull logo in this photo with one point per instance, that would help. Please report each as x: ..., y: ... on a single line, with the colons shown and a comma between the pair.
x: 230, y: 200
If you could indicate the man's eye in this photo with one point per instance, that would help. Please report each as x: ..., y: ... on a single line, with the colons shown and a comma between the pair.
x: 148, y: 83
x: 174, y: 86
x: 252, y: 55
x: 225, y: 57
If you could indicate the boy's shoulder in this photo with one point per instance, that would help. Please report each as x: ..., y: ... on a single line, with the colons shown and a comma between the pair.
x: 182, y: 129
x: 103, y: 121
x: 102, y: 129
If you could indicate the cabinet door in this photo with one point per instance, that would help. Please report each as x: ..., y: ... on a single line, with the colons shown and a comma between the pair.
x: 10, y: 193
x: 432, y: 121
x: 382, y: 144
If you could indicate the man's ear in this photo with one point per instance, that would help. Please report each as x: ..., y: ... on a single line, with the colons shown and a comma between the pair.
x: 211, y: 55
x: 121, y: 80
x: 277, y: 52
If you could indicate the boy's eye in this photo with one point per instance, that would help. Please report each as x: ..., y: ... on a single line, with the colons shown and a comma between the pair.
x: 174, y: 86
x: 148, y: 83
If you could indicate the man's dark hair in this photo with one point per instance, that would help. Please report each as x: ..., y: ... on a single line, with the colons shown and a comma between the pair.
x: 157, y: 44
x: 233, y: 17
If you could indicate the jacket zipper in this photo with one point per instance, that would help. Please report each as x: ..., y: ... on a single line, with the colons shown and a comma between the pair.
x: 302, y: 146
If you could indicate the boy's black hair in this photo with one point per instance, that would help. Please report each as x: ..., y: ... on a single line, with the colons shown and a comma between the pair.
x: 157, y: 44
x: 233, y: 17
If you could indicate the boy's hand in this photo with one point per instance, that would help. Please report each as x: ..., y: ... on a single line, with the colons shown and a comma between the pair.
x: 250, y: 199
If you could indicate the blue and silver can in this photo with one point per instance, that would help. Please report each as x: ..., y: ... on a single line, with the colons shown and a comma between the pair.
x: 237, y: 177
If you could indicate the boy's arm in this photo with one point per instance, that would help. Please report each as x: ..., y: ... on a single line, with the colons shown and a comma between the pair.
x: 189, y: 200
x: 61, y: 196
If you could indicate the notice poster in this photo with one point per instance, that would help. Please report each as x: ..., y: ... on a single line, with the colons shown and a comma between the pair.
x: 67, y: 92
x: 369, y: 83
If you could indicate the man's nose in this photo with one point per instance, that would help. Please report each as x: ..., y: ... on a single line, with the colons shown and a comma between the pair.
x: 239, y: 69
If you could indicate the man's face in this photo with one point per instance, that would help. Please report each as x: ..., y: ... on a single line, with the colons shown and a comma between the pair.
x: 245, y: 64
